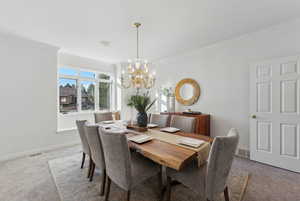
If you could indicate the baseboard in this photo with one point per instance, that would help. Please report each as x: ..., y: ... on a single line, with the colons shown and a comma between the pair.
x: 13, y: 156
x: 244, y: 153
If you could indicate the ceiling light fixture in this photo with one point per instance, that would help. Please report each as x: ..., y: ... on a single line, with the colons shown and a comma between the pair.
x: 137, y: 74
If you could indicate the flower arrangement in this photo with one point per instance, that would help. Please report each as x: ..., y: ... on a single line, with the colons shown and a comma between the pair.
x: 168, y: 91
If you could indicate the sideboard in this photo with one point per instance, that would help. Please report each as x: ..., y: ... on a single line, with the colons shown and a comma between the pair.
x: 202, y: 121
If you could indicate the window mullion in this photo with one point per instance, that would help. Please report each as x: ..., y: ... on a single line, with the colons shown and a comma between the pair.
x: 97, y: 108
x: 79, y: 95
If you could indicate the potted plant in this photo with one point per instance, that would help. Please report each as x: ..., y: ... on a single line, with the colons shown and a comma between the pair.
x: 142, y: 103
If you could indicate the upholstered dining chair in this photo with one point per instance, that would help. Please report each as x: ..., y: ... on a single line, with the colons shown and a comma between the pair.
x: 117, y: 115
x: 94, y: 141
x: 209, y: 181
x: 103, y: 116
x: 126, y: 169
x: 160, y: 120
x: 85, y: 146
x: 186, y: 124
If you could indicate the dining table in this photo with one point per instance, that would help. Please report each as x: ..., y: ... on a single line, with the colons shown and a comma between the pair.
x: 163, y: 148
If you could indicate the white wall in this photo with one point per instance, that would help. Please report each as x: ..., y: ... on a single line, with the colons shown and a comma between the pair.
x: 222, y: 70
x: 28, y: 86
x: 67, y: 121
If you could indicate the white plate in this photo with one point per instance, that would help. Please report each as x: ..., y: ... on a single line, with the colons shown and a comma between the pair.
x: 190, y: 142
x: 170, y: 129
x: 152, y: 125
x: 107, y: 122
x: 140, y: 138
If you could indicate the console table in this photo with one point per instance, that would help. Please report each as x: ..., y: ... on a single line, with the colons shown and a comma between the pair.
x: 202, y: 121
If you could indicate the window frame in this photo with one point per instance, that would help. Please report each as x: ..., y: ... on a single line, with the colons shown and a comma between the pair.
x: 79, y: 79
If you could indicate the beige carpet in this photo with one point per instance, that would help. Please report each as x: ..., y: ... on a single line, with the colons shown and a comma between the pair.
x: 73, y: 185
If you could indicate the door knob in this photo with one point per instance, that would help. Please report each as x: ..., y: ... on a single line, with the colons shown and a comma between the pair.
x: 253, y: 116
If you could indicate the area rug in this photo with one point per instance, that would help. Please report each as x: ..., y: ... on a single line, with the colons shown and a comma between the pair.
x: 72, y: 185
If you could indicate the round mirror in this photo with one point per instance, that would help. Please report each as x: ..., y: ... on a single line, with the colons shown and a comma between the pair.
x: 187, y: 91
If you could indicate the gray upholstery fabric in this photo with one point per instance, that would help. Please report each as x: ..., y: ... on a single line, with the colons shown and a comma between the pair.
x: 210, y: 180
x: 85, y: 146
x: 160, y: 120
x: 103, y: 116
x: 186, y: 124
x: 94, y: 141
x: 219, y: 163
x: 126, y: 169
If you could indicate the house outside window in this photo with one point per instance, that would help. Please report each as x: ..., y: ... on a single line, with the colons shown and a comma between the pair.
x: 81, y: 90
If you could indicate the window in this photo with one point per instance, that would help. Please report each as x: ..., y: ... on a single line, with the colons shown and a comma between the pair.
x: 67, y: 95
x: 104, y: 95
x: 84, y: 90
x: 87, y: 95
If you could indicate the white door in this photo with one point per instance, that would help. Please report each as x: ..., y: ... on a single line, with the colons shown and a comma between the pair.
x: 274, y: 112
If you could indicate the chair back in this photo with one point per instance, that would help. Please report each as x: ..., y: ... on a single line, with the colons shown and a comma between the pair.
x: 117, y: 157
x: 186, y: 124
x: 219, y: 163
x: 103, y: 116
x: 94, y: 141
x: 85, y: 145
x: 160, y: 120
x: 117, y: 115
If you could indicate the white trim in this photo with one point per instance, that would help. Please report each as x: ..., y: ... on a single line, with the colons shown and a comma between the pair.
x: 13, y: 156
x: 66, y: 130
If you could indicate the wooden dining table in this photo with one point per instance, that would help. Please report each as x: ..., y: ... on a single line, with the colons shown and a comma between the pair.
x: 166, y: 154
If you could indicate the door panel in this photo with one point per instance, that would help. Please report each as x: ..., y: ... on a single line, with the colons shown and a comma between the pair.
x: 289, y: 137
x: 289, y: 96
x: 274, y: 112
x: 264, y: 136
x: 264, y: 97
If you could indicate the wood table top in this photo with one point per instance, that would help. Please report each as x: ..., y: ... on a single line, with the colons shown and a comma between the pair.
x: 167, y: 154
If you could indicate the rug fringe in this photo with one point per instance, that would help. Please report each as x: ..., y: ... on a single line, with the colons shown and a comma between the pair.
x: 244, y: 187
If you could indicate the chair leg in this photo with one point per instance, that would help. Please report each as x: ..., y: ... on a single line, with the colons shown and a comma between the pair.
x: 92, y: 172
x: 90, y: 168
x: 160, y: 184
x: 102, y: 185
x: 107, y: 188
x: 169, y: 186
x: 127, y: 198
x: 226, y: 194
x: 83, y: 159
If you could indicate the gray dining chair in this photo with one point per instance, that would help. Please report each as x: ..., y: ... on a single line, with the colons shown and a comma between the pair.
x: 126, y: 169
x: 94, y: 141
x: 209, y: 181
x: 85, y: 146
x: 117, y: 115
x: 186, y: 124
x: 103, y: 116
x: 160, y: 120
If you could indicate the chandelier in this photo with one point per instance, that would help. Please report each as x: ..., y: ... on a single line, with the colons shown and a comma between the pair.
x: 137, y: 74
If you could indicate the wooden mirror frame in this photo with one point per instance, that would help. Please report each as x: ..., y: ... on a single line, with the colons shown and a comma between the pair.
x: 195, y: 96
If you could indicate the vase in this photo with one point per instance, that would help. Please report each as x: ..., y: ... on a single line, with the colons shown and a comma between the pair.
x: 171, y: 104
x: 142, y: 119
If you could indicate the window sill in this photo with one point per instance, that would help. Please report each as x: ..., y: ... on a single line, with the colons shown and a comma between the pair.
x: 81, y: 113
x: 66, y: 131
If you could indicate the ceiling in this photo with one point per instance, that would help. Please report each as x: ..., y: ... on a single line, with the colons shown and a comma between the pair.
x: 83, y: 27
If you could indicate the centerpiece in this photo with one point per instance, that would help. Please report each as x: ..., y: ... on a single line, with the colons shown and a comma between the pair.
x: 142, y: 103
